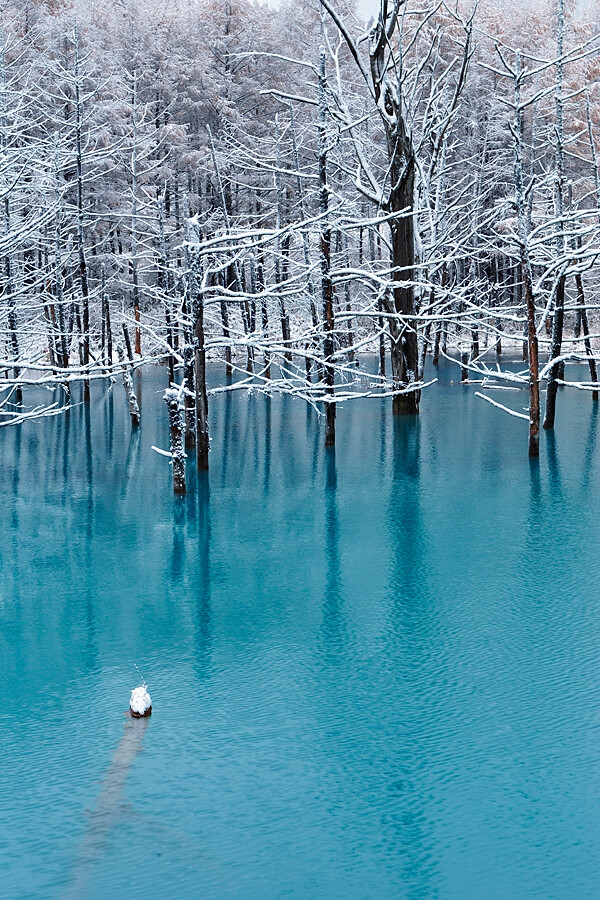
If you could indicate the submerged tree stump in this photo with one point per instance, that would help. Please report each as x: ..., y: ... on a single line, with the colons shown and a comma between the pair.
x: 140, y: 704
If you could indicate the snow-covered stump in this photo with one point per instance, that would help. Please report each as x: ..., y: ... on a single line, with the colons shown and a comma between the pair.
x: 134, y: 410
x: 177, y: 440
x: 140, y: 704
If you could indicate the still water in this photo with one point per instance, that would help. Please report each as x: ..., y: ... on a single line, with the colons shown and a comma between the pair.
x: 375, y: 673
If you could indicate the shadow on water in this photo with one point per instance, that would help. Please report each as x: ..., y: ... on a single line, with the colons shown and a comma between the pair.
x: 554, y: 473
x: 535, y: 543
x: 132, y: 462
x: 392, y: 694
x: 16, y: 480
x: 178, y: 551
x: 384, y: 416
x: 333, y: 624
x: 203, y: 599
x: 404, y: 518
x: 285, y: 438
x: 89, y: 462
x: 109, y: 423
x: 407, y: 827
x: 109, y: 808
x: 81, y: 420
x: 590, y: 448
x: 226, y: 442
x: 267, y: 459
x: 254, y: 436
x: 65, y: 448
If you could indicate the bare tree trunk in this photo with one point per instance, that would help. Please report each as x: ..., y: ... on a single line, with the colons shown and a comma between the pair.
x: 202, y: 437
x: 305, y: 245
x: 83, y: 274
x: 436, y: 346
x: 170, y: 357
x: 127, y: 342
x: 107, y: 331
x: 226, y: 335
x: 177, y: 448
x: 532, y: 342
x: 404, y: 348
x: 586, y: 334
x: 559, y: 301
x: 190, y: 406
x: 51, y: 348
x: 351, y: 354
x: 424, y: 346
x: 555, y: 349
x: 134, y: 410
x: 134, y: 214
x: 58, y: 281
x: 326, y: 283
x: 12, y: 312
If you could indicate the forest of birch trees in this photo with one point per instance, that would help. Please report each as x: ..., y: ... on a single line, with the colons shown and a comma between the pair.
x: 314, y: 204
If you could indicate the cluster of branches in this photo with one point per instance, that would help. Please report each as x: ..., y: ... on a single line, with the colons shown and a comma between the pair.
x: 418, y: 185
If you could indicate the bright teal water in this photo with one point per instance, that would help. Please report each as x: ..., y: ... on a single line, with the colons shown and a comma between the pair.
x: 374, y: 675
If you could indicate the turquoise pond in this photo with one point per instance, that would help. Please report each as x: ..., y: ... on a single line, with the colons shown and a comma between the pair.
x: 375, y: 673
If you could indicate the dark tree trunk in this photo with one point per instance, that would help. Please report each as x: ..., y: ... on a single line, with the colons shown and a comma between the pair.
x: 403, y: 333
x: 177, y: 448
x: 264, y: 317
x: 190, y: 417
x: 134, y: 410
x: 586, y: 334
x: 326, y: 282
x: 532, y: 342
x: 83, y: 274
x: 436, y: 347
x: 127, y: 342
x: 555, y: 349
x: 170, y: 357
x: 281, y: 275
x: 464, y: 371
x: 226, y: 335
x: 202, y: 438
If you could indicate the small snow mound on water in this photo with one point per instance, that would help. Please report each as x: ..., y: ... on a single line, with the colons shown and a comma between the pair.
x: 140, y: 700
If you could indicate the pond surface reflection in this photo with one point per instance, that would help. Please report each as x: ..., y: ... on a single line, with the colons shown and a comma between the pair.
x: 375, y: 671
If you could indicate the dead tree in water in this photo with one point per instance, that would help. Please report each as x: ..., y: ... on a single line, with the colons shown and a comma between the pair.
x: 394, y: 195
x: 225, y: 209
x: 177, y: 442
x: 582, y: 311
x: 559, y: 297
x: 383, y: 79
x: 134, y: 410
x: 524, y: 229
x: 190, y: 406
x: 202, y: 437
x: 196, y: 288
x: 326, y: 283
x: 83, y: 269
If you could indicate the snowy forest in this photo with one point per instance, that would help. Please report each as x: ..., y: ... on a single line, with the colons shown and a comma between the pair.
x: 292, y: 191
x: 299, y: 449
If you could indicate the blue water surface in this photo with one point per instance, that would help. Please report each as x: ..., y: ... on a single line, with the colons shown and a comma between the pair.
x: 375, y: 672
